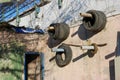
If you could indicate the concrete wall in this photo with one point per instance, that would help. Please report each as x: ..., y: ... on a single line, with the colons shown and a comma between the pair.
x: 83, y: 67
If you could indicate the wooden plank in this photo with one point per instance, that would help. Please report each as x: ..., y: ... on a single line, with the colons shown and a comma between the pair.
x: 86, y: 15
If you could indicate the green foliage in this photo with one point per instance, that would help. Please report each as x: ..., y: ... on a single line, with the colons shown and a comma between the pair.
x: 11, y: 60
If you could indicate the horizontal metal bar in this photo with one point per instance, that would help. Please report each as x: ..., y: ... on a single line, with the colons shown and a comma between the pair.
x: 87, y: 47
x: 57, y: 50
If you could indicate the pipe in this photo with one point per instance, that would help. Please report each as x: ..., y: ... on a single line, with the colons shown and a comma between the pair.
x: 57, y: 50
x: 87, y: 47
x: 86, y: 15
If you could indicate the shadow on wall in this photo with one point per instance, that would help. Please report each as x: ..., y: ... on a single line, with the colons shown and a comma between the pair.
x: 83, y: 33
x: 51, y: 59
x: 88, y: 53
x: 53, y: 43
x: 112, y: 69
x: 111, y: 54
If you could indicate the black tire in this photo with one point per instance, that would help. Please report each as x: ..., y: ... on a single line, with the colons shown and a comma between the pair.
x: 102, y: 20
x: 61, y: 31
x: 96, y: 23
x: 67, y: 53
x: 95, y: 49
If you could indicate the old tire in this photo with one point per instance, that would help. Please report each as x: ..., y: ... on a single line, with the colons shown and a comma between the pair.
x: 102, y: 20
x: 67, y: 53
x: 61, y: 31
x: 95, y: 49
x: 96, y: 23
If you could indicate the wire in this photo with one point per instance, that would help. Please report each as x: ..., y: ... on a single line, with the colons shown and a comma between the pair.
x: 17, y: 14
x: 3, y: 14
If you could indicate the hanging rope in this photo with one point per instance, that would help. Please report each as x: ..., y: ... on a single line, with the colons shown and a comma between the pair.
x: 17, y: 15
x: 37, y: 10
x: 2, y: 20
x: 60, y: 3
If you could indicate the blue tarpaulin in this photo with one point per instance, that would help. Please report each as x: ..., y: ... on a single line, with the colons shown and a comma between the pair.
x: 27, y: 30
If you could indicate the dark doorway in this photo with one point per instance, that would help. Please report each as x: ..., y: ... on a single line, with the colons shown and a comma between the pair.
x: 32, y: 66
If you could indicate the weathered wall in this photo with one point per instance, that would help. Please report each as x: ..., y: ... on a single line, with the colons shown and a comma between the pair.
x: 83, y: 67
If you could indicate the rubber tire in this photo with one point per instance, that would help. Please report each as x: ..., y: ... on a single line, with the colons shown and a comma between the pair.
x: 95, y: 48
x: 68, y: 56
x: 96, y: 23
x: 61, y: 32
x: 102, y: 20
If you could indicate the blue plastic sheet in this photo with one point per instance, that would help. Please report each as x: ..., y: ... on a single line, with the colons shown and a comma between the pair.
x: 27, y: 30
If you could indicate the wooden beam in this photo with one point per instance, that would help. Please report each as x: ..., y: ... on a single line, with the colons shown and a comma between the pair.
x: 50, y: 28
x: 86, y: 15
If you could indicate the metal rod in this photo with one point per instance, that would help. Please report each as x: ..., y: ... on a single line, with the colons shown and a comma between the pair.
x: 87, y: 47
x: 86, y: 15
x: 101, y: 45
x: 57, y: 50
x: 82, y: 46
